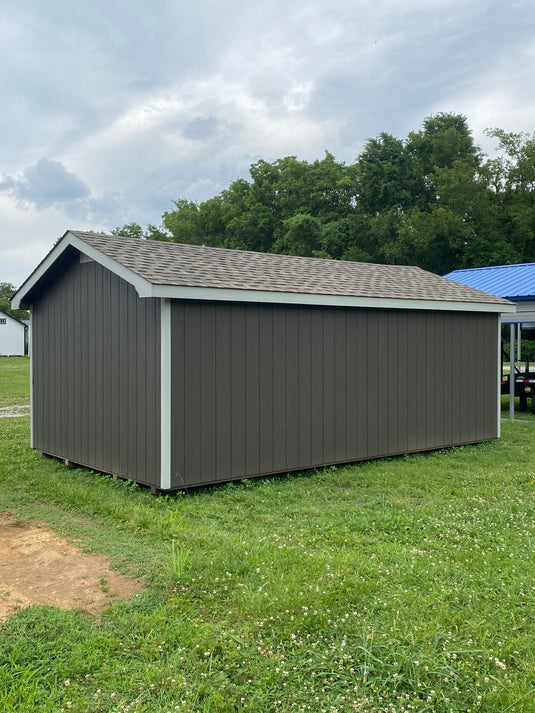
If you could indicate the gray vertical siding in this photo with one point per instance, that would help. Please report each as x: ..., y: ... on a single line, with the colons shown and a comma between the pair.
x: 259, y: 389
x: 96, y: 373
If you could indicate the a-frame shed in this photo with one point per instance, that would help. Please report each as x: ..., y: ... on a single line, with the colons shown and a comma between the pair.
x: 181, y: 365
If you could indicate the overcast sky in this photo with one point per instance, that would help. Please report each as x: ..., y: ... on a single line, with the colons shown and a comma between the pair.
x: 112, y: 109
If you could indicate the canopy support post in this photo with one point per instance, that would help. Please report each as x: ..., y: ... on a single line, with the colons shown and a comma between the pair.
x: 512, y: 372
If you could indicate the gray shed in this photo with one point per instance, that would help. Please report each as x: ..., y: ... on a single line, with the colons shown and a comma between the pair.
x: 181, y: 365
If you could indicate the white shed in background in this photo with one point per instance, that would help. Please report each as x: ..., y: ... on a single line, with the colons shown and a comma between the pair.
x: 12, y: 333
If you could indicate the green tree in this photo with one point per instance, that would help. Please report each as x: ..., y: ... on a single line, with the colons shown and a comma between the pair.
x: 514, y: 186
x: 300, y: 236
x: 444, y: 139
x: 430, y: 200
x: 433, y: 240
x: 183, y: 224
x: 386, y: 176
x: 251, y: 215
x: 7, y: 290
x: 130, y: 230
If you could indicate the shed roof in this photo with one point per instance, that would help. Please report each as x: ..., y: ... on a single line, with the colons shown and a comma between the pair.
x: 161, y: 269
x: 514, y: 282
x: 15, y: 319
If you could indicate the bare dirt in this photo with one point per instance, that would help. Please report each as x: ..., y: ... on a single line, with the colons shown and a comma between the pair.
x: 14, y: 411
x: 39, y: 567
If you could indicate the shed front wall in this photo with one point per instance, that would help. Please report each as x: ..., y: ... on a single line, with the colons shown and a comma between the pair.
x: 11, y: 336
x: 96, y: 373
x: 260, y: 389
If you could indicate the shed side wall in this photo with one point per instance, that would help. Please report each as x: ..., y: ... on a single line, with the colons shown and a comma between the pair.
x: 260, y: 389
x: 96, y: 374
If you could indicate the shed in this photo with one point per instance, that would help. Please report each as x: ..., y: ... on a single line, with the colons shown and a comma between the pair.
x: 181, y: 365
x: 12, y: 332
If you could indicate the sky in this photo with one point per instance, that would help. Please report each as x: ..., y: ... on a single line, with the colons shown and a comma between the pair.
x: 110, y: 110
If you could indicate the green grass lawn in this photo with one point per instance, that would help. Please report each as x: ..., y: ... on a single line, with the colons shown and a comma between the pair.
x: 14, y: 380
x: 526, y: 415
x: 399, y: 585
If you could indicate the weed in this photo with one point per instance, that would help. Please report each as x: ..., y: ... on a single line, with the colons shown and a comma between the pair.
x: 179, y: 562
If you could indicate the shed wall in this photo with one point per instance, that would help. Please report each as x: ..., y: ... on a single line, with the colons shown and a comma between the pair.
x: 11, y: 336
x: 96, y: 373
x: 260, y: 389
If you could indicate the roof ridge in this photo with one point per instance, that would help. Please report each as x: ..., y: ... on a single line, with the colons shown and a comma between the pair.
x: 172, y: 244
x: 492, y: 267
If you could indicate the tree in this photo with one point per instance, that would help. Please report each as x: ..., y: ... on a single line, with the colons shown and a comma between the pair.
x: 430, y: 200
x: 300, y: 236
x: 7, y: 290
x: 514, y: 185
x: 130, y: 230
x: 183, y: 223
x: 444, y: 139
x: 433, y: 240
x: 386, y: 176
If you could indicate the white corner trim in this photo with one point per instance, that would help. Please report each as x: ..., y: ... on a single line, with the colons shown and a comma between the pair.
x: 233, y: 295
x: 499, y: 379
x: 165, y: 394
x: 32, y: 419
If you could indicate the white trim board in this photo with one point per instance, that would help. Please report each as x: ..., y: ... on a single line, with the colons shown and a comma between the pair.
x: 299, y: 298
x: 165, y: 394
x: 142, y: 286
x: 32, y: 413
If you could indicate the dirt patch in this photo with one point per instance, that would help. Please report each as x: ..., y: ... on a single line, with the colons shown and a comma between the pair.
x: 39, y: 567
x: 14, y: 411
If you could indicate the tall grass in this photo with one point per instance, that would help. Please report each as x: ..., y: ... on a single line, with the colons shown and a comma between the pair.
x: 405, y: 584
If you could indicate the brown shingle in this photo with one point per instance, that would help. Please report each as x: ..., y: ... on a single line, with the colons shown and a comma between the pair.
x: 175, y: 264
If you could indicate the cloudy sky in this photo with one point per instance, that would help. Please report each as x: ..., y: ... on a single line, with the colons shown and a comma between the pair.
x: 111, y: 109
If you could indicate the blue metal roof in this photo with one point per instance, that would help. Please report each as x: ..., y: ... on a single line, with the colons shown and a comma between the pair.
x: 514, y: 282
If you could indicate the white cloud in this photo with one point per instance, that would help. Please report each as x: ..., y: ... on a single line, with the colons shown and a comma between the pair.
x: 112, y: 110
x: 35, y: 234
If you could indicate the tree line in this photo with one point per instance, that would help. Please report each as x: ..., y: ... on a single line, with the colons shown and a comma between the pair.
x: 433, y: 199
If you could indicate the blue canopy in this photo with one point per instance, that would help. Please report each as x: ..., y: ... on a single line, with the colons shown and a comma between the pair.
x: 514, y: 282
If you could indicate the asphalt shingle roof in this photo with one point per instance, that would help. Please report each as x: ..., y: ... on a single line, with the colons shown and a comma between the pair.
x: 163, y: 263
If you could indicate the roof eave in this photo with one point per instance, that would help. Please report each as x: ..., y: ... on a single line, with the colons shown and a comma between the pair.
x: 15, y: 319
x: 236, y: 295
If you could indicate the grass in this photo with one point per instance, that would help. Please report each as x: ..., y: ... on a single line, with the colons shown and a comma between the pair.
x: 527, y: 415
x: 14, y: 380
x: 399, y: 585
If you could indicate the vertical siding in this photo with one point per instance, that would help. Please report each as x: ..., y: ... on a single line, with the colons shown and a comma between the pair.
x: 223, y: 392
x: 260, y: 389
x: 304, y: 383
x: 267, y: 413
x: 96, y: 374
